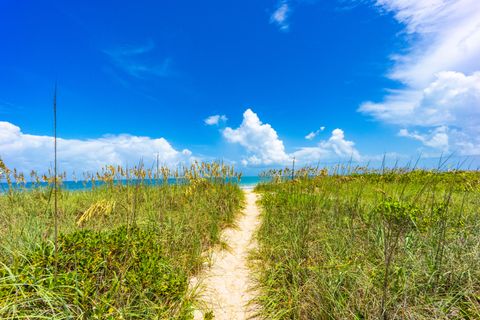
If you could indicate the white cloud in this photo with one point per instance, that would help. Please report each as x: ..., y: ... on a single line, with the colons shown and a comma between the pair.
x: 440, y: 72
x: 215, y: 119
x: 313, y: 134
x: 260, y: 140
x: 448, y: 38
x: 280, y: 16
x: 264, y: 147
x: 451, y: 99
x: 340, y: 146
x: 437, y: 138
x: 33, y: 152
x: 335, y: 147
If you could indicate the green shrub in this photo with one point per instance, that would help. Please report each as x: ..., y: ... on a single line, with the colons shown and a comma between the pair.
x: 103, y: 273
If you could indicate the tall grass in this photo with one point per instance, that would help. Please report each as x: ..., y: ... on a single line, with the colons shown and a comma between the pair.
x: 125, y: 249
x: 364, y: 244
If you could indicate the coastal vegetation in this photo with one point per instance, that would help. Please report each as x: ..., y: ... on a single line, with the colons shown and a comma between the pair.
x: 125, y: 249
x: 339, y: 243
x: 355, y: 243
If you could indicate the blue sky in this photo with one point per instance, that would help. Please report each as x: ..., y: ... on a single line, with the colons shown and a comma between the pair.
x: 136, y: 79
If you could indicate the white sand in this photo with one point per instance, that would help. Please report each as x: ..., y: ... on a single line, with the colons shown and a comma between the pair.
x: 226, y: 286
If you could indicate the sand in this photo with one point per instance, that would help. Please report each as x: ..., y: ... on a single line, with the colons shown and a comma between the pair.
x: 226, y: 287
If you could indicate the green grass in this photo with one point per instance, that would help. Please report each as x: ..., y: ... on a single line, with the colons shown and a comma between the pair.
x: 131, y: 258
x: 397, y: 245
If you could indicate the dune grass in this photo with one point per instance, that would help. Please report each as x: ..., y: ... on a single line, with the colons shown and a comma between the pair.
x: 125, y: 250
x: 394, y: 244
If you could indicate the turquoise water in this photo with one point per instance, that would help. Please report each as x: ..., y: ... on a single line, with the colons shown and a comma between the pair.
x: 246, y: 183
x: 250, y: 182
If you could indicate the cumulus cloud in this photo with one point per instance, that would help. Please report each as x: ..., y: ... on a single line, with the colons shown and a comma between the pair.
x: 440, y: 73
x: 33, y: 152
x: 260, y: 140
x: 280, y: 16
x: 335, y: 147
x: 313, y: 134
x: 264, y: 147
x: 215, y: 119
x: 340, y: 146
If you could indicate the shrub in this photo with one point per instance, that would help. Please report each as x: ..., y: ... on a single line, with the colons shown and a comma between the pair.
x: 96, y: 274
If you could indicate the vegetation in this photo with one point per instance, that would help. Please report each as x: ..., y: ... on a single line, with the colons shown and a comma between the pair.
x: 348, y: 244
x: 365, y: 244
x: 125, y: 249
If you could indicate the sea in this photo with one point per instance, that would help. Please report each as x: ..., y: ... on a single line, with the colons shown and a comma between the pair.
x: 247, y: 182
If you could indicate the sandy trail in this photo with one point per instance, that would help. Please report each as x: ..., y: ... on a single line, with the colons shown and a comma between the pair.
x: 226, y: 286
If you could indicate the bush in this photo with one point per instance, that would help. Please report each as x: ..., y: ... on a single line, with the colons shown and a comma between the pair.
x: 97, y: 274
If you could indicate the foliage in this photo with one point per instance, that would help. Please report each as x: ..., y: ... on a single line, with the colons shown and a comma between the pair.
x: 103, y: 273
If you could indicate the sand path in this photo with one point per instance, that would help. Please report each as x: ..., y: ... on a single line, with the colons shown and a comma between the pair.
x: 225, y: 287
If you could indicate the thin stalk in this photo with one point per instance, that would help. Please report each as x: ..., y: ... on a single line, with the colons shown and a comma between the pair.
x: 293, y: 169
x: 55, y: 185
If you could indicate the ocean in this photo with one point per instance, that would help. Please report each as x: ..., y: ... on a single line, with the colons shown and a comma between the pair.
x: 248, y: 182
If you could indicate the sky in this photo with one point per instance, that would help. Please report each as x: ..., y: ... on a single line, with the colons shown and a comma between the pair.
x: 253, y: 83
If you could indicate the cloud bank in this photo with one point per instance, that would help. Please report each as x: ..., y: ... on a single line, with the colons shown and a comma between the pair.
x: 33, y: 152
x: 440, y: 100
